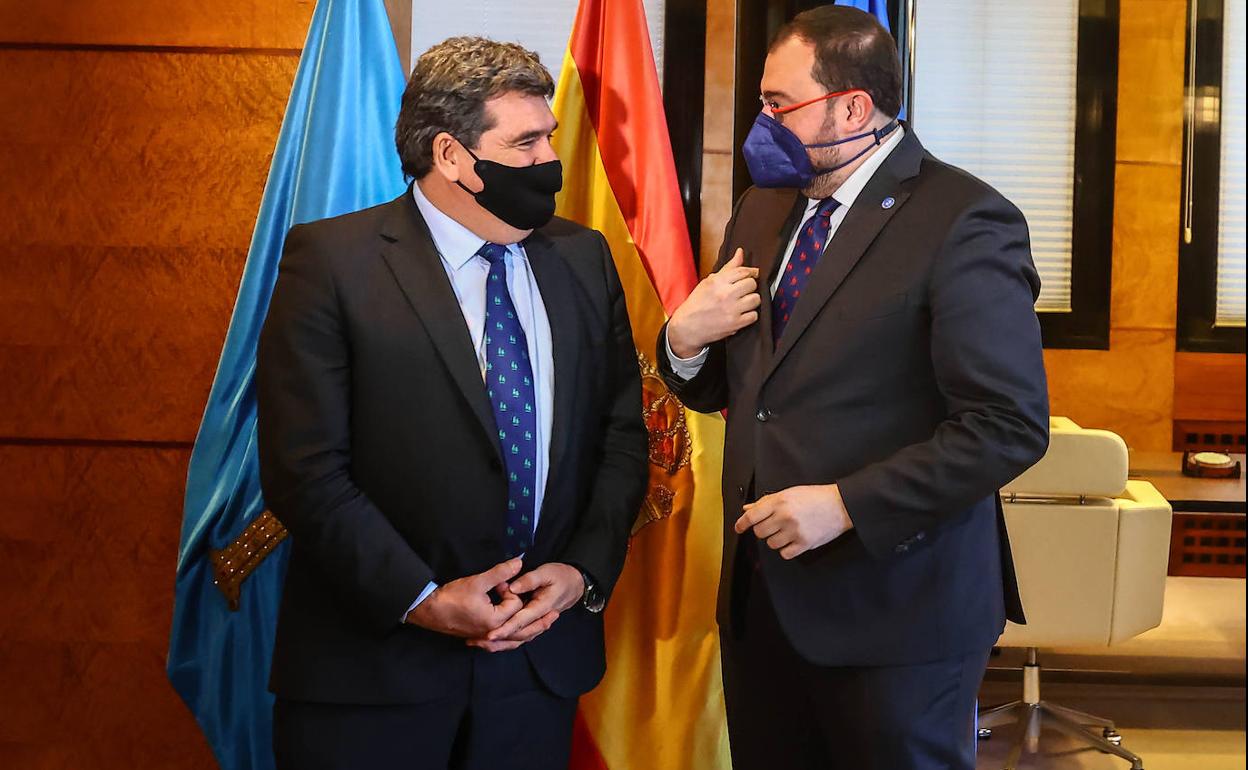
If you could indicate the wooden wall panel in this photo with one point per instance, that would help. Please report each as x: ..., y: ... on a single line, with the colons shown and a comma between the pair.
x: 716, y: 206
x: 1152, y: 39
x: 1209, y: 386
x: 135, y: 140
x: 1145, y: 289
x: 182, y: 23
x: 717, y: 128
x: 127, y: 200
x: 112, y: 343
x: 136, y: 149
x: 1126, y: 389
x: 88, y: 537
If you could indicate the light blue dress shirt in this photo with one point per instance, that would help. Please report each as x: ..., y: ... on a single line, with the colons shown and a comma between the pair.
x: 458, y: 246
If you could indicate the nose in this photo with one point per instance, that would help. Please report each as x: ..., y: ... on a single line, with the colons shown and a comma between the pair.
x: 545, y: 152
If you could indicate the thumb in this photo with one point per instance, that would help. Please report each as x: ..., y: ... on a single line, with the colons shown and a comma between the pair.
x: 738, y: 259
x: 499, y: 573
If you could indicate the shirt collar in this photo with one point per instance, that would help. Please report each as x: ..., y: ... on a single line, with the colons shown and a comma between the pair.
x: 456, y: 243
x: 852, y: 187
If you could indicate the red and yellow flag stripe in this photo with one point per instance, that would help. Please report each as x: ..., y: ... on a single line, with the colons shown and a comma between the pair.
x: 660, y: 706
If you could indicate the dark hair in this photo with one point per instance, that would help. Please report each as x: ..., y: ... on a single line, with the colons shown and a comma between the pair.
x: 448, y: 90
x: 852, y: 50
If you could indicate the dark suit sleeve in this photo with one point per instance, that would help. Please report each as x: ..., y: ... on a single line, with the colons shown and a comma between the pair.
x: 986, y: 353
x: 302, y: 394
x: 600, y: 540
x: 707, y: 392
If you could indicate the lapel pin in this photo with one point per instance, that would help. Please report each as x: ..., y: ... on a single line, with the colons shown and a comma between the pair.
x: 888, y: 202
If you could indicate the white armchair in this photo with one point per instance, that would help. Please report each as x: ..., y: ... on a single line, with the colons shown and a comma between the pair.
x: 1091, y: 550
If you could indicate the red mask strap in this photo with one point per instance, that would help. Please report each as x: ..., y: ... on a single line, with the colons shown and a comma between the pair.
x: 808, y: 102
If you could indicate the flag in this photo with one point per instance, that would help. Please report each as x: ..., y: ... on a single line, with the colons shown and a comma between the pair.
x: 877, y: 8
x: 335, y: 154
x: 660, y: 706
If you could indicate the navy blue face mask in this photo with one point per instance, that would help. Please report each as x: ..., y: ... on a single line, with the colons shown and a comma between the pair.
x: 775, y: 156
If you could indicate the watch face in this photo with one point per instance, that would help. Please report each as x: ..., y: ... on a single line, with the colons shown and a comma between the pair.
x: 592, y: 600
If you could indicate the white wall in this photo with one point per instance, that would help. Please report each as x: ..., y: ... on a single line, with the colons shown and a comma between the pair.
x: 541, y: 25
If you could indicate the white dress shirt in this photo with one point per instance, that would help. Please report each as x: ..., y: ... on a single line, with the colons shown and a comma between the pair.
x: 458, y: 246
x: 845, y: 195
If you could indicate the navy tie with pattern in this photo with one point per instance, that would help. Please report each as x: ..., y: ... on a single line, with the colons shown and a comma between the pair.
x: 513, y: 397
x: 810, y: 242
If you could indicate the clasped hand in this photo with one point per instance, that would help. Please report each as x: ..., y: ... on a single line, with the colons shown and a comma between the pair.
x: 527, y: 605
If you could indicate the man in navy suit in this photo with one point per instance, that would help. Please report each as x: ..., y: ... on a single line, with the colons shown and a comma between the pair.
x: 871, y: 333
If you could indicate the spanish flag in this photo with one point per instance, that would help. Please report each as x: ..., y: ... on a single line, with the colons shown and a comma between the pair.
x: 661, y: 704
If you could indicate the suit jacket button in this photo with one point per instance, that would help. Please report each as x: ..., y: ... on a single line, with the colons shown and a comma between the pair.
x: 763, y: 415
x: 920, y: 536
x: 902, y: 548
x: 741, y: 491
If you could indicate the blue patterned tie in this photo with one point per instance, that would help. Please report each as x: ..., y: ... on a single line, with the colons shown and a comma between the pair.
x: 810, y: 242
x: 513, y: 397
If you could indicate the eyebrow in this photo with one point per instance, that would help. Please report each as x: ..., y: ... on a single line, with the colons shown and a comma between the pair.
x: 780, y: 94
x: 529, y: 136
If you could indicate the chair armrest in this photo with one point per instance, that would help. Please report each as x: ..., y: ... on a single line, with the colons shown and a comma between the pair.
x: 1144, y: 519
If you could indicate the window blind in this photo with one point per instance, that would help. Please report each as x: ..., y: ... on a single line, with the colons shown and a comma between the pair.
x: 1230, y: 289
x: 994, y: 94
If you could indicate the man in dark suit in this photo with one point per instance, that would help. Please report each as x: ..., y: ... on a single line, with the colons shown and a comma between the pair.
x: 871, y: 333
x: 450, y: 429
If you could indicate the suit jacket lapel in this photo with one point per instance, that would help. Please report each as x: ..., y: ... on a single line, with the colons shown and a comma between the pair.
x: 864, y: 221
x: 409, y: 251
x: 559, y: 298
x: 768, y: 260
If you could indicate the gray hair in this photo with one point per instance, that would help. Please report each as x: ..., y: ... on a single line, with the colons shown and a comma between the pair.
x: 448, y: 90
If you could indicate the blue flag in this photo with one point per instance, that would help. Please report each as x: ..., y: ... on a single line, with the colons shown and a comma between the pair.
x: 335, y: 154
x: 878, y: 9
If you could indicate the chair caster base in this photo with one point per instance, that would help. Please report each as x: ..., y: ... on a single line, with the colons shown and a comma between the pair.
x: 1094, y: 732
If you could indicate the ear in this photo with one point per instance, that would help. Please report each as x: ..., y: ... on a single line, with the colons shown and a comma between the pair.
x: 448, y: 157
x: 861, y: 109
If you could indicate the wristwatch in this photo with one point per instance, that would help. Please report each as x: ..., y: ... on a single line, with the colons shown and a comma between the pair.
x: 592, y: 600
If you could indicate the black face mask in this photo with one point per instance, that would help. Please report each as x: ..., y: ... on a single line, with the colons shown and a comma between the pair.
x: 521, y: 196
